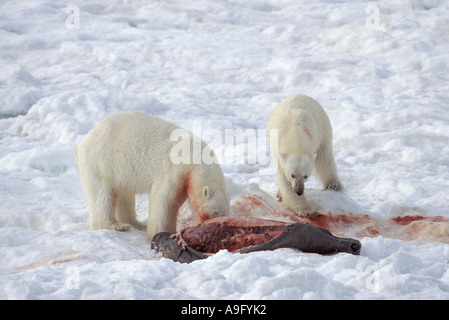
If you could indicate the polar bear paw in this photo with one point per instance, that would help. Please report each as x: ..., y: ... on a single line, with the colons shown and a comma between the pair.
x: 139, y: 225
x: 310, y: 209
x: 110, y: 225
x: 334, y: 187
x: 122, y: 226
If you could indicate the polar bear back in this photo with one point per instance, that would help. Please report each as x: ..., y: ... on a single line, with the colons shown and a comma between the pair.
x: 136, y: 139
x: 303, y: 121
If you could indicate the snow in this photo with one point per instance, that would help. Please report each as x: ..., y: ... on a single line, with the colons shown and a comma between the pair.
x: 226, y: 65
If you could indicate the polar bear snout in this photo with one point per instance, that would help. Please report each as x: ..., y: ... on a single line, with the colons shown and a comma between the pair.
x: 217, y: 214
x: 214, y: 204
x: 298, y: 186
x: 219, y: 208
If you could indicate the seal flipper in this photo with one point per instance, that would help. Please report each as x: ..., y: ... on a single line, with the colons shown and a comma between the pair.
x: 171, y: 248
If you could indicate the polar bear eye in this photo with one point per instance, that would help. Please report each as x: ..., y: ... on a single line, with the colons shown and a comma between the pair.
x: 293, y: 176
x: 305, y: 177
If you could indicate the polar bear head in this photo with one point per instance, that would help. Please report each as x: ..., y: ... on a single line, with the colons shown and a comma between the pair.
x: 213, y: 203
x: 297, y: 170
x: 206, y: 191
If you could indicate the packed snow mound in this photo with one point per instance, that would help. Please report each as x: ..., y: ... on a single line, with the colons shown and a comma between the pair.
x: 379, y: 69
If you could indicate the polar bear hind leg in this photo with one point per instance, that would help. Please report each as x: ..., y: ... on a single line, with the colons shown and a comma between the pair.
x: 100, y: 198
x: 101, y: 202
x: 125, y: 209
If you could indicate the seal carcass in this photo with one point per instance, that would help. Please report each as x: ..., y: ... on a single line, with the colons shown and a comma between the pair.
x: 248, y: 234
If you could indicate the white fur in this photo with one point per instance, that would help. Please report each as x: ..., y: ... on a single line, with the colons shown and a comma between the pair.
x: 129, y: 153
x: 304, y: 143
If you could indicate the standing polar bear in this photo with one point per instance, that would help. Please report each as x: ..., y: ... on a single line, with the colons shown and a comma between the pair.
x: 130, y: 153
x: 304, y: 142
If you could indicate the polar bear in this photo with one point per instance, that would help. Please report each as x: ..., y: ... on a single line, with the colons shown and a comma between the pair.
x: 131, y: 153
x: 304, y: 142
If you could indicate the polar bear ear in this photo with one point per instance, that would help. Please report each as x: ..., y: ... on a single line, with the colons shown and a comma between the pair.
x: 206, y: 192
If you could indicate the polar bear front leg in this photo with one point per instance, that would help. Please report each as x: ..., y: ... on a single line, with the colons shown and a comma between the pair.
x: 291, y: 200
x: 326, y: 168
x: 162, y: 212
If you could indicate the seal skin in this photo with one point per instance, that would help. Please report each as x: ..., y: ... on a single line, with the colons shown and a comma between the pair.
x: 247, y: 234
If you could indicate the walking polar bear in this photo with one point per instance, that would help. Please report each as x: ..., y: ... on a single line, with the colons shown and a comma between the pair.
x: 130, y: 153
x: 304, y: 143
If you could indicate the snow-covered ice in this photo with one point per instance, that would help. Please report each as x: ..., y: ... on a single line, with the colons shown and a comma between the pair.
x: 379, y: 68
